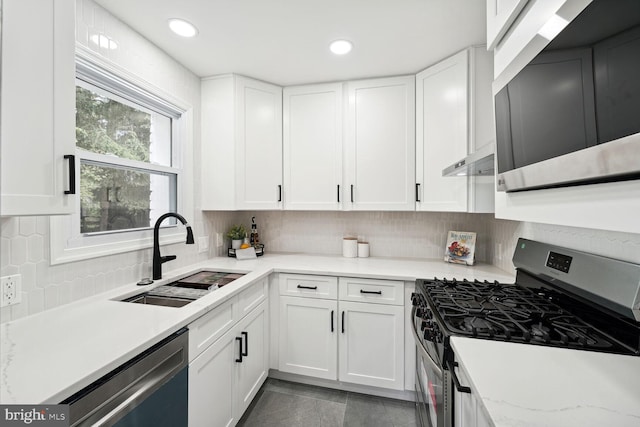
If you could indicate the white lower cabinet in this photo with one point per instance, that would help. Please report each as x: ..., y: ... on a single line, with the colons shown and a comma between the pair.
x: 212, y: 378
x: 227, y: 369
x: 371, y: 344
x: 469, y: 411
x: 357, y: 342
x: 253, y: 366
x: 308, y: 332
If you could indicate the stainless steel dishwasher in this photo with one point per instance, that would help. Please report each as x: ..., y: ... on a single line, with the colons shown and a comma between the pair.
x: 149, y: 390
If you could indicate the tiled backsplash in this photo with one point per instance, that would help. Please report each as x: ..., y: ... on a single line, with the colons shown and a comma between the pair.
x: 622, y: 246
x: 390, y: 234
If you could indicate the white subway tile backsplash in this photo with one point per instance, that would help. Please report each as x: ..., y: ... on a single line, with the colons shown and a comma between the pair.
x: 27, y: 225
x: 35, y: 248
x: 36, y: 301
x: 18, y: 250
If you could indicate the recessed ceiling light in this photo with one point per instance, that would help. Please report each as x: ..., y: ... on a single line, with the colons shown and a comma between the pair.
x: 103, y: 41
x: 340, y: 47
x: 182, y: 27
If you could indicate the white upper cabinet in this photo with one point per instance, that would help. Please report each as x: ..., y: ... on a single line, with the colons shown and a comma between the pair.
x: 241, y: 144
x: 312, y: 138
x: 453, y: 118
x: 380, y: 144
x: 500, y: 16
x: 38, y: 103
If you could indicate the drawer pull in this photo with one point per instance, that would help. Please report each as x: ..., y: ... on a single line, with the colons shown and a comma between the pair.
x: 307, y: 287
x: 246, y: 343
x: 332, y: 320
x: 239, y: 359
x: 362, y: 291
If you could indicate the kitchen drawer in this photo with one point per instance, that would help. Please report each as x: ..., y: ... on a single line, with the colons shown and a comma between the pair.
x: 250, y: 298
x: 207, y: 329
x: 302, y: 285
x: 371, y: 290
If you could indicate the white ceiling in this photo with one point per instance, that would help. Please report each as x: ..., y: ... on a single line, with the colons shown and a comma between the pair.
x: 286, y: 41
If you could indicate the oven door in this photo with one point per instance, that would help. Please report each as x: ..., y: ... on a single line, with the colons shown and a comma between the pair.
x: 433, y: 391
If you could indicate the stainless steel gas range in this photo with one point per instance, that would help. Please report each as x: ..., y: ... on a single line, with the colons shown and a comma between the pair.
x: 561, y: 297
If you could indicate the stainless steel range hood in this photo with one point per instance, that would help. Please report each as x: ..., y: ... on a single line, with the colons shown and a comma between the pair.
x: 479, y: 163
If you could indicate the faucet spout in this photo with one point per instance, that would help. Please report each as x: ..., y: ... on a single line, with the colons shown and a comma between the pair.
x: 158, y: 260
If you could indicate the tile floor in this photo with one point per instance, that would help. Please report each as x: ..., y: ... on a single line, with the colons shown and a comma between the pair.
x: 286, y: 404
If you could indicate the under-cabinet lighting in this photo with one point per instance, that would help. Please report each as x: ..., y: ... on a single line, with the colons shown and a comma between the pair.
x: 552, y: 28
x: 182, y: 27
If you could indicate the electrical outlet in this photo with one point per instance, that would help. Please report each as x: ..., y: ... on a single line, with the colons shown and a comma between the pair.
x: 219, y: 240
x: 10, y: 290
x: 203, y: 244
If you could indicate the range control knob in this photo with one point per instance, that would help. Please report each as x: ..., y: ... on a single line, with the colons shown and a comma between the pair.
x: 419, y: 311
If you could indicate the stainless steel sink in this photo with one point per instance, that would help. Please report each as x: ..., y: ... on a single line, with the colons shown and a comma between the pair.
x: 185, y: 290
x: 157, y: 300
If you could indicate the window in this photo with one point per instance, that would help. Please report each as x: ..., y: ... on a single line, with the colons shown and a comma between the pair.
x: 129, y: 152
x: 126, y: 175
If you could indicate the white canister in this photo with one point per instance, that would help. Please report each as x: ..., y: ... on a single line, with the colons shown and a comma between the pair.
x: 350, y: 247
x: 363, y: 249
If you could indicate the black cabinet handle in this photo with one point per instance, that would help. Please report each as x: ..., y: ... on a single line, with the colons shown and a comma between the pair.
x: 239, y: 359
x: 279, y: 193
x: 72, y: 174
x: 417, y: 192
x: 456, y: 381
x: 307, y: 287
x: 246, y: 343
x: 331, y: 320
x: 362, y: 291
x: 343, y: 322
x: 338, y: 193
x: 351, y: 193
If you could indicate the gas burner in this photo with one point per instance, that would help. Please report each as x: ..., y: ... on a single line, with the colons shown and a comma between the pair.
x: 540, y: 332
x: 476, y: 326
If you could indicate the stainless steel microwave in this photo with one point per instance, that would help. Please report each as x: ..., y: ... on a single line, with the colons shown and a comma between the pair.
x: 572, y: 115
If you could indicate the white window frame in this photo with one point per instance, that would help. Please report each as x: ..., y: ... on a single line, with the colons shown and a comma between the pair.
x: 67, y: 244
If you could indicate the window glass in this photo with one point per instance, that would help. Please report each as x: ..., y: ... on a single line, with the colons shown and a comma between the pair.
x: 108, y: 124
x: 114, y: 198
x: 125, y: 151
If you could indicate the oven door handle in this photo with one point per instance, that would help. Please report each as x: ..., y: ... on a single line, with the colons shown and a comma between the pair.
x: 461, y: 388
x: 420, y: 347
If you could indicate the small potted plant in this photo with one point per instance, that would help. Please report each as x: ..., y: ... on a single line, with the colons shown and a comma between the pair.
x: 237, y: 234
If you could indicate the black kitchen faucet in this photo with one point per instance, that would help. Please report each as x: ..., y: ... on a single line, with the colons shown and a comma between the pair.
x: 157, y: 259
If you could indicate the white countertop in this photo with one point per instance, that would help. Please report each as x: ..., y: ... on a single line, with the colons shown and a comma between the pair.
x: 49, y: 356
x: 525, y: 385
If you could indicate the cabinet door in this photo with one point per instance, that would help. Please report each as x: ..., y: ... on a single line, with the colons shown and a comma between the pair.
x: 380, y: 144
x: 308, y: 342
x: 442, y: 133
x: 254, y: 367
x: 38, y: 103
x: 258, y: 145
x: 500, y: 16
x: 372, y: 344
x: 465, y: 403
x: 212, y: 379
x: 312, y: 122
